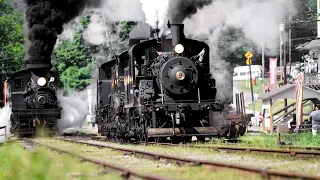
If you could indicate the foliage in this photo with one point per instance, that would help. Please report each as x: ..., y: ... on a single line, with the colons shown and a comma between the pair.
x: 74, y: 59
x: 301, y: 139
x: 126, y: 27
x: 304, y: 24
x: 11, y: 40
x: 73, y: 63
x: 85, y: 21
x: 232, y: 46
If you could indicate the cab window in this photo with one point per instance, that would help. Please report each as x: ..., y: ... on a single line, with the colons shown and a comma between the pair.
x: 18, y: 83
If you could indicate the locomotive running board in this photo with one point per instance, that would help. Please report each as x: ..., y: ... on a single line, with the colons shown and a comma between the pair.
x: 194, y: 131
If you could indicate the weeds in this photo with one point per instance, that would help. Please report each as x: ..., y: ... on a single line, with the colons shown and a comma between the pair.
x: 16, y: 163
x: 301, y: 139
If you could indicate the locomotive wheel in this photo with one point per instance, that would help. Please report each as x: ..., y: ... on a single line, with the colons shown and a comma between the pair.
x: 242, y: 130
x: 201, y: 139
x: 176, y: 139
x: 187, y: 139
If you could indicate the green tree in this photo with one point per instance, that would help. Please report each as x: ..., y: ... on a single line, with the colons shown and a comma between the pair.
x: 126, y: 27
x: 11, y: 40
x: 227, y: 49
x: 72, y: 61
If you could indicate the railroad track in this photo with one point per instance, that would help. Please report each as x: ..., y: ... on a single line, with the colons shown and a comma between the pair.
x: 264, y: 173
x: 262, y: 151
x: 125, y: 172
x: 284, y: 147
x: 293, y: 151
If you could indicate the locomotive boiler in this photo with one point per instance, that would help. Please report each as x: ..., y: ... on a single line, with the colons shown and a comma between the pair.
x: 160, y: 88
x: 31, y: 94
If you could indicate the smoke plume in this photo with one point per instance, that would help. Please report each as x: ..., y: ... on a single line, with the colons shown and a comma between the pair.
x: 45, y: 20
x: 100, y: 31
x: 122, y: 10
x: 181, y: 9
x: 75, y: 109
x: 154, y: 11
x: 258, y: 21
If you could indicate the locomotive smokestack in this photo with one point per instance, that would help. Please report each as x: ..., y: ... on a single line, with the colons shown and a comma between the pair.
x: 177, y: 34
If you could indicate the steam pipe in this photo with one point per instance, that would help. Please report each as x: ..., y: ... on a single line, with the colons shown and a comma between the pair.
x: 199, y: 99
x: 162, y: 93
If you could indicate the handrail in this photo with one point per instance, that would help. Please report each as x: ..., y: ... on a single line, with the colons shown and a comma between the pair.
x: 285, y: 108
x: 304, y: 102
x: 283, y: 116
x: 5, y: 132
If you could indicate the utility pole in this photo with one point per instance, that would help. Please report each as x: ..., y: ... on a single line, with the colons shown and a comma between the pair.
x: 249, y: 55
x: 281, y: 27
x: 290, y: 44
x: 285, y: 64
x: 263, y: 65
x: 318, y: 23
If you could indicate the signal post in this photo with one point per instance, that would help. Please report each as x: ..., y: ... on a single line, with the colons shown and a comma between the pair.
x: 249, y: 55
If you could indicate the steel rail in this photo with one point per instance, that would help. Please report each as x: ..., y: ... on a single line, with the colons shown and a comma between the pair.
x: 265, y: 174
x: 126, y: 173
x: 263, y: 151
x: 310, y: 148
x: 305, y: 148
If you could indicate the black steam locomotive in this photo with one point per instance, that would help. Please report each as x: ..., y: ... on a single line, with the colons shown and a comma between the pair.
x: 160, y: 88
x: 31, y: 94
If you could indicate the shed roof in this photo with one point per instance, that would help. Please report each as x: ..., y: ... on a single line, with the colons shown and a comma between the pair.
x: 289, y: 91
x: 313, y: 44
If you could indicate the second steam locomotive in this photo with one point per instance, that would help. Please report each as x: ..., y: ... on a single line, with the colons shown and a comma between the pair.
x: 31, y: 94
x: 160, y: 88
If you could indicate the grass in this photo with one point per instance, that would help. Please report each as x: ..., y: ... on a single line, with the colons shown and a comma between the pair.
x: 245, y: 86
x: 301, y: 139
x: 276, y: 162
x: 163, y: 169
x: 16, y: 163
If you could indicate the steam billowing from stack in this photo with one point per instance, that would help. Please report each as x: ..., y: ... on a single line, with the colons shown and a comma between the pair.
x: 45, y: 20
x: 181, y: 9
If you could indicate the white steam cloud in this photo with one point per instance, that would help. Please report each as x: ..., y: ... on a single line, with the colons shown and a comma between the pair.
x: 154, y: 11
x: 96, y: 33
x: 122, y: 10
x: 259, y: 21
x: 69, y: 30
x: 5, y: 114
x: 75, y: 109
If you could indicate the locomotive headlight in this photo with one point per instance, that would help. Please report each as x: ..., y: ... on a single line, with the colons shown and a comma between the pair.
x: 179, y: 48
x: 41, y: 81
